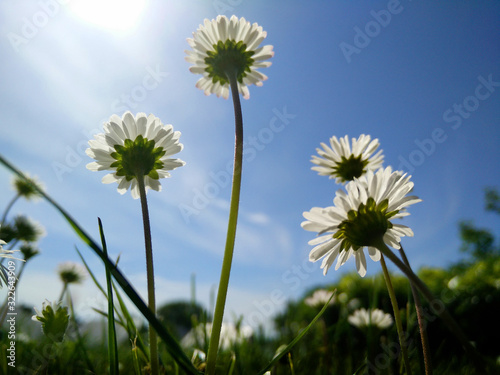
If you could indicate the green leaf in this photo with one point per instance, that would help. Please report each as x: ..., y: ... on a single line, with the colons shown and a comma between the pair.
x: 112, y: 343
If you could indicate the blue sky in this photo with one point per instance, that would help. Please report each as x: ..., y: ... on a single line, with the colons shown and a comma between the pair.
x: 422, y: 77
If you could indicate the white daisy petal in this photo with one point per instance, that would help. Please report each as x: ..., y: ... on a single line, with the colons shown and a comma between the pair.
x: 328, y: 261
x: 321, y: 250
x: 360, y: 262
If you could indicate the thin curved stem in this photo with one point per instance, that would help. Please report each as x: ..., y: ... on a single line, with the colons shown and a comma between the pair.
x: 231, y: 231
x: 153, y: 340
x: 421, y: 324
x: 63, y: 292
x: 7, y: 209
x: 397, y: 316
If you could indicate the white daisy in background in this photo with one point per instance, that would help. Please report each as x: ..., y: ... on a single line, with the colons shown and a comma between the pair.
x: 27, y: 230
x: 71, y: 273
x: 132, y: 146
x: 229, y: 335
x: 345, y: 161
x: 319, y: 298
x: 375, y: 317
x: 223, y: 45
x: 28, y: 187
x: 360, y: 218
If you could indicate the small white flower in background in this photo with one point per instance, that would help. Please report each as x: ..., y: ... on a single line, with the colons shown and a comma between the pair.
x: 223, y: 45
x: 345, y: 161
x: 229, y: 335
x: 135, y: 146
x: 71, y: 273
x: 26, y: 229
x: 359, y: 218
x: 319, y: 298
x: 363, y: 318
x: 28, y: 187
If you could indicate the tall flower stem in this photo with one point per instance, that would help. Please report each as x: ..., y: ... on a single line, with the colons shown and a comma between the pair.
x: 397, y: 315
x: 421, y: 324
x: 435, y: 303
x: 153, y: 341
x: 231, y: 230
x: 63, y: 292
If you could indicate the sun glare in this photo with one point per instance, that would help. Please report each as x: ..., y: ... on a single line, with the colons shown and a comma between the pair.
x: 119, y: 15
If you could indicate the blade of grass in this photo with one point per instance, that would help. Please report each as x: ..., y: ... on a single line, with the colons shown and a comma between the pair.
x: 135, y: 358
x: 299, y: 336
x: 120, y: 319
x: 112, y: 343
x: 126, y: 320
x: 172, y: 345
x: 232, y: 364
x: 358, y: 371
x: 290, y: 363
x: 131, y: 328
x: 94, y: 279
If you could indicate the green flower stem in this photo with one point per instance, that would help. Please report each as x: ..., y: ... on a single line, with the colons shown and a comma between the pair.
x: 153, y: 340
x: 231, y: 231
x: 65, y: 288
x: 421, y: 325
x: 7, y: 209
x: 440, y: 310
x: 397, y: 315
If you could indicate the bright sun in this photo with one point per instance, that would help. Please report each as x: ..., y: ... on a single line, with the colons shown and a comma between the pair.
x: 119, y: 15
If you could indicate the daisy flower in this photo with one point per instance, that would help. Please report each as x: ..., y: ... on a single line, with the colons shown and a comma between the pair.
x: 346, y: 160
x: 135, y: 146
x: 319, y: 298
x: 375, y: 317
x: 228, y: 46
x: 27, y: 230
x: 361, y: 218
x: 71, y: 273
x: 230, y: 335
x: 28, y: 187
